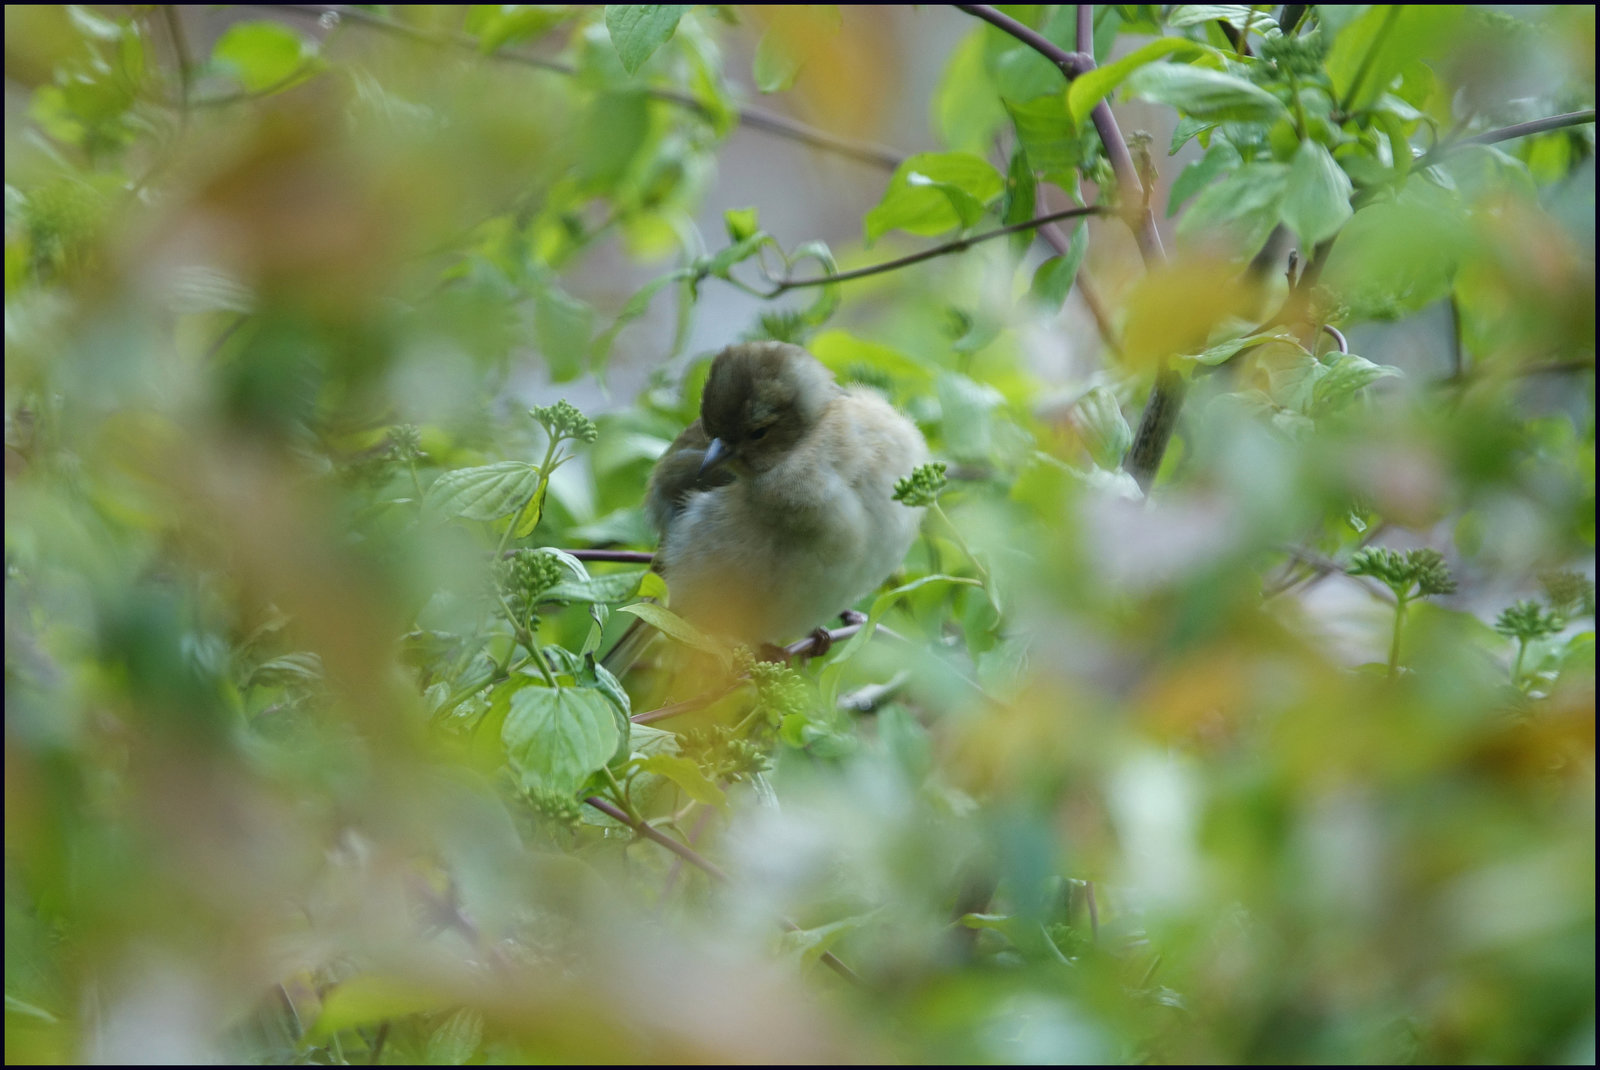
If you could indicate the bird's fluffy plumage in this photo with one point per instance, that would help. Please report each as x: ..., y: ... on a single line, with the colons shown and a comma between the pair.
x: 808, y: 524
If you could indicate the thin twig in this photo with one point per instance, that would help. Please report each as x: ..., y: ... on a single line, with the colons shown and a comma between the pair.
x: 1071, y: 64
x: 756, y: 118
x: 810, y: 648
x: 180, y: 51
x: 959, y: 245
x: 1338, y: 337
x: 1506, y: 133
x: 1458, y: 353
x: 705, y: 865
x: 688, y: 705
x: 637, y: 557
x: 1533, y: 126
x: 650, y: 832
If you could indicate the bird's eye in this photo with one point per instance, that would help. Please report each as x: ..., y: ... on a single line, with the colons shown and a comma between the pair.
x: 758, y: 434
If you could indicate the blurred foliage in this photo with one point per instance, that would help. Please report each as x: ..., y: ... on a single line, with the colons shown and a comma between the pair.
x: 302, y: 699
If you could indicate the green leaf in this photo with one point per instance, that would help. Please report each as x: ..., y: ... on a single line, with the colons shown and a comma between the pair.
x: 498, y: 25
x: 457, y: 1040
x: 968, y: 421
x: 1054, y: 148
x: 304, y: 667
x: 821, y: 310
x: 1021, y: 73
x: 1345, y: 377
x: 637, y: 305
x: 1103, y: 428
x: 1316, y: 200
x: 1203, y: 94
x: 1379, y: 44
x: 1089, y: 89
x: 774, y: 68
x: 485, y: 492
x: 556, y: 738
x: 966, y: 106
x: 678, y: 628
x: 840, y: 351
x: 1054, y: 278
x: 1236, y: 15
x: 812, y: 944
x: 562, y: 326
x: 263, y: 55
x: 1292, y: 374
x: 652, y: 586
x: 610, y: 588
x: 742, y: 223
x: 1224, y: 351
x: 1185, y: 130
x: 1243, y: 207
x: 687, y: 775
x: 648, y: 740
x: 1397, y: 256
x: 1219, y: 159
x: 831, y: 673
x: 933, y: 192
x: 1020, y: 197
x: 531, y: 513
x: 721, y: 262
x: 637, y: 30
x: 368, y: 999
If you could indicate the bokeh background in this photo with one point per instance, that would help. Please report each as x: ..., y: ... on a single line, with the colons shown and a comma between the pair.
x: 1217, y: 774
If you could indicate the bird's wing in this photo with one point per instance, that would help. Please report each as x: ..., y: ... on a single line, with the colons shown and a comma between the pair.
x: 677, y: 474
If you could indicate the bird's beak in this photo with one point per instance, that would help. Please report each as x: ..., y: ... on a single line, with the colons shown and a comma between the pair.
x: 717, y: 454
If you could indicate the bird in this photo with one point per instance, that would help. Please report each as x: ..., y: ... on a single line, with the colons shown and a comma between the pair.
x: 776, y: 507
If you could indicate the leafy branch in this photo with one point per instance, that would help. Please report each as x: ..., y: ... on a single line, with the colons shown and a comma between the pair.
x: 1166, y: 396
x: 755, y: 118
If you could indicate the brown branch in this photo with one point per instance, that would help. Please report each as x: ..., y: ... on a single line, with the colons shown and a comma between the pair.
x: 1533, y: 126
x: 1071, y: 65
x: 959, y: 245
x: 688, y: 705
x: 705, y: 865
x: 637, y: 557
x: 1338, y: 337
x: 756, y: 118
x: 1506, y: 133
x: 650, y: 832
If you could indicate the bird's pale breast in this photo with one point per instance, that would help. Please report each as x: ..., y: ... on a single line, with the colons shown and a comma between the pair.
x: 767, y: 559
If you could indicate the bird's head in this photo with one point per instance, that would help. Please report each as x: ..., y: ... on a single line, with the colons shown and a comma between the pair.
x: 760, y: 401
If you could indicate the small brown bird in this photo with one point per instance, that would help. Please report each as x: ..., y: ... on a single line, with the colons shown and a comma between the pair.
x: 776, y: 507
